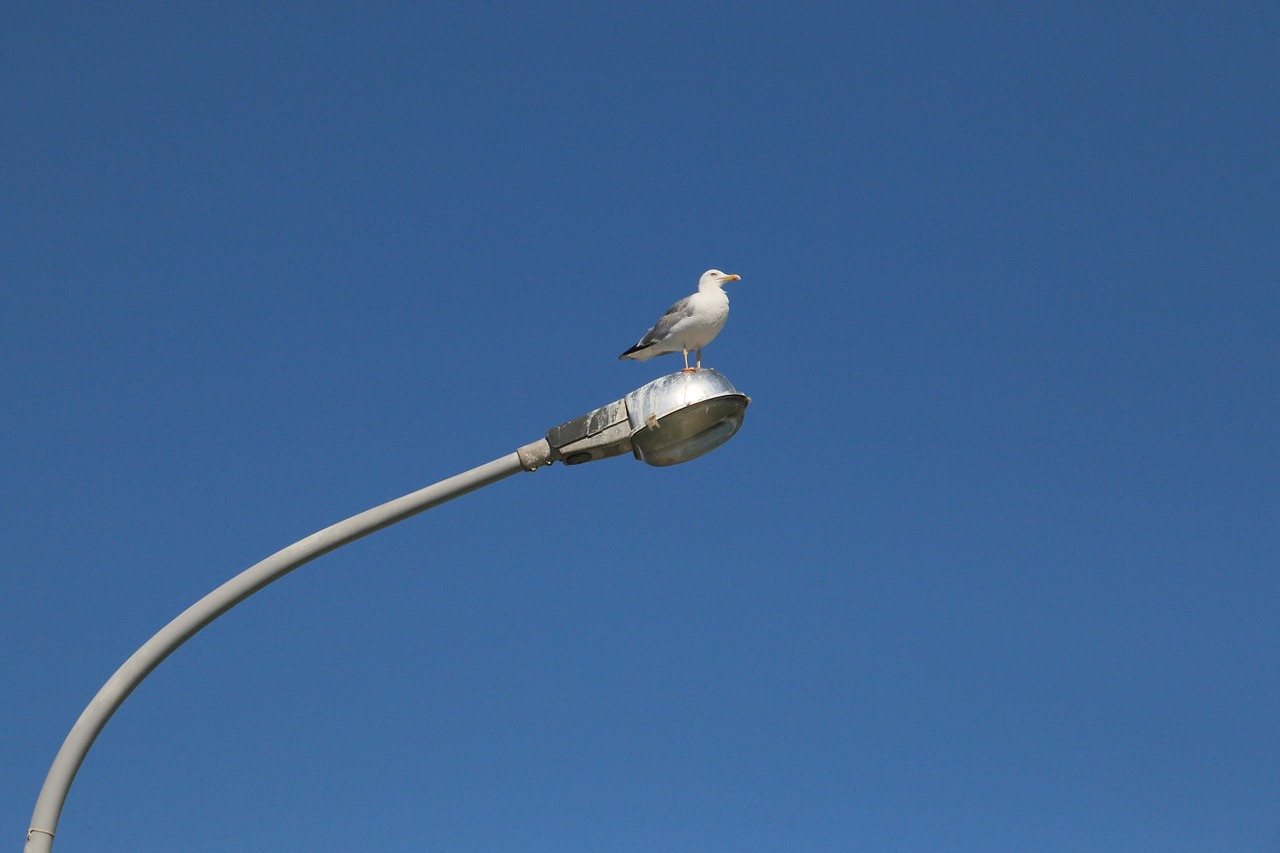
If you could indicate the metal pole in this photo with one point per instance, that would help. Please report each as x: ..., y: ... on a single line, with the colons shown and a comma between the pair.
x: 44, y: 821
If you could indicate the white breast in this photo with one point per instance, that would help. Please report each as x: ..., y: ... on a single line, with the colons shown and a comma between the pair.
x: 710, y: 310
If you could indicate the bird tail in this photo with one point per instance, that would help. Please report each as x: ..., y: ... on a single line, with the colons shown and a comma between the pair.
x: 639, y: 352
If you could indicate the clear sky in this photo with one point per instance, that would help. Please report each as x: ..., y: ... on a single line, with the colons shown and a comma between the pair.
x: 991, y: 566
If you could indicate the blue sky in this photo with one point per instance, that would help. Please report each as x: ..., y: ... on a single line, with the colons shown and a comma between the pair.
x: 992, y: 564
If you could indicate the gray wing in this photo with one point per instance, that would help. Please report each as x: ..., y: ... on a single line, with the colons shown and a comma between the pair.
x: 667, y: 321
x: 663, y: 327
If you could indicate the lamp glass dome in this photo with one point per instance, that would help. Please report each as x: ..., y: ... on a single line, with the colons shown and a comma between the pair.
x: 684, y: 415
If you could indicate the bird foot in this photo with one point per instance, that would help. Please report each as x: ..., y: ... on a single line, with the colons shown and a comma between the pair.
x: 690, y: 370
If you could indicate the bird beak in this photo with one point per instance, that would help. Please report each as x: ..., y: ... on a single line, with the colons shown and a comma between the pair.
x: 732, y: 277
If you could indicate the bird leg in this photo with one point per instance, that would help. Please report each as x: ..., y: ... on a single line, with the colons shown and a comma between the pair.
x: 686, y: 357
x: 699, y: 358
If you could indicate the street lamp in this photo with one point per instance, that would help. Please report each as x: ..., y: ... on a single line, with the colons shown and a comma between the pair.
x: 672, y: 419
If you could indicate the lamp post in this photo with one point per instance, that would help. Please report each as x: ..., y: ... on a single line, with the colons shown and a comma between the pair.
x: 672, y: 419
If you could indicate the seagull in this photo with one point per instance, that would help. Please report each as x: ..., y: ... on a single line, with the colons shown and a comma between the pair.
x: 690, y: 324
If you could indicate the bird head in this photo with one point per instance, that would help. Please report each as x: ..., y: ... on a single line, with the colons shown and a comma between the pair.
x: 715, y: 278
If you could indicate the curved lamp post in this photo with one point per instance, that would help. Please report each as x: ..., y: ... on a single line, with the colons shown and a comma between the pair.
x: 671, y: 420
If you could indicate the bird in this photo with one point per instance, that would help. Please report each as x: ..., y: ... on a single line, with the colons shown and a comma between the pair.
x: 690, y: 324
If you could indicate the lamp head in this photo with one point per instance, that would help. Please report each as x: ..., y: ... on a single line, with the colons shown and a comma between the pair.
x: 681, y: 416
x: 673, y: 419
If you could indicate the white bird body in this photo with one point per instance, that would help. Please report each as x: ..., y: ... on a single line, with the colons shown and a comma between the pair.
x: 690, y: 324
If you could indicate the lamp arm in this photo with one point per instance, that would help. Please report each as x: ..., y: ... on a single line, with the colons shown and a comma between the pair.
x: 57, y: 783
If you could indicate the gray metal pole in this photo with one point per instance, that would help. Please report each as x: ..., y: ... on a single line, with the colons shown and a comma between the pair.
x: 44, y: 821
